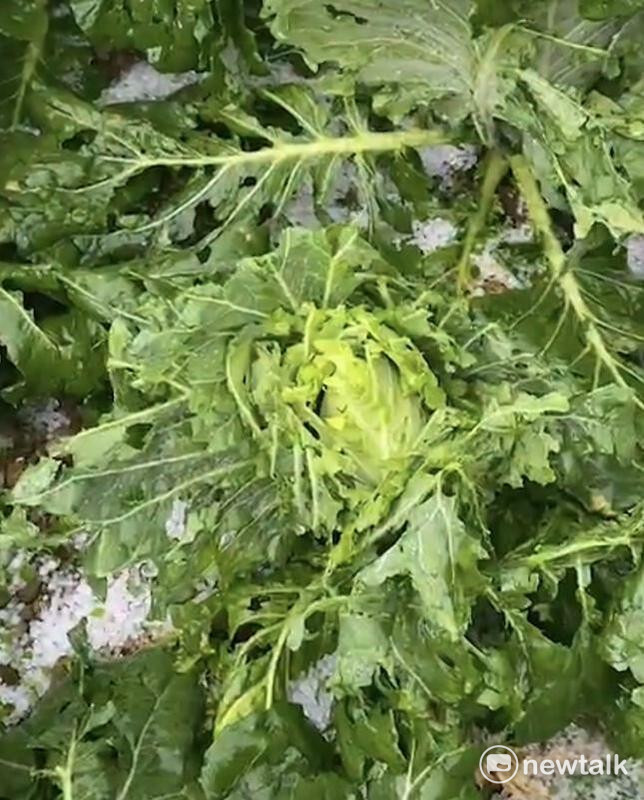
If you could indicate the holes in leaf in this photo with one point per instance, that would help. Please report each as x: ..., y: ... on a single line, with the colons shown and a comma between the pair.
x: 559, y: 618
x: 488, y: 627
x: 79, y: 140
x: 202, y: 224
x: 274, y: 115
x: 265, y: 213
x: 220, y: 130
x: 9, y: 252
x: 9, y: 676
x: 135, y: 435
x: 244, y: 632
x: 311, y: 430
x: 512, y: 203
x: 154, y: 186
x: 249, y: 180
x: 219, y: 628
x: 338, y: 13
x: 565, y: 222
x: 115, y: 62
x: 449, y: 663
x: 255, y: 603
x: 515, y: 513
x: 253, y: 143
x: 636, y: 357
x: 204, y: 254
x: 319, y: 400
x: 42, y: 306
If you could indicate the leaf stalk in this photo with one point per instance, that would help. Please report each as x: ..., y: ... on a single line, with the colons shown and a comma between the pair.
x: 493, y: 172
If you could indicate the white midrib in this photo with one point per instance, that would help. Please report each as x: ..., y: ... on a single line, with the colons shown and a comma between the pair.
x: 364, y: 142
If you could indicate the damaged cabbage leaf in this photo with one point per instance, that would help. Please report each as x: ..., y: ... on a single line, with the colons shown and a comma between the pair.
x: 116, y: 729
x: 175, y: 36
x: 428, y: 50
x: 110, y: 160
x: 370, y: 423
x: 22, y: 38
x: 601, y: 9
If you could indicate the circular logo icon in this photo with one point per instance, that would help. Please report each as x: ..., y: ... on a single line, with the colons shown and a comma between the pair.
x: 499, y: 764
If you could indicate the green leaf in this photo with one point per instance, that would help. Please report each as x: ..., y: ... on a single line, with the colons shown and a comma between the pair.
x: 565, y: 683
x: 27, y: 22
x: 129, y: 503
x: 18, y: 765
x: 523, y: 426
x: 440, y: 558
x: 414, y: 54
x: 622, y: 637
x: 414, y: 45
x: 124, y: 730
x: 606, y: 9
x: 367, y: 735
x: 49, y: 355
x: 157, y: 714
x: 30, y: 349
x: 269, y: 755
x: 103, y: 294
x: 24, y: 20
x: 176, y: 36
x: 66, y: 193
x: 336, y: 465
x: 323, y: 268
x: 362, y: 650
x: 17, y: 535
x: 570, y: 50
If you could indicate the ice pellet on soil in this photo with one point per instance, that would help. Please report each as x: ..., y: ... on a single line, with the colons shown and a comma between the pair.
x: 44, y: 419
x: 175, y: 525
x: 491, y: 270
x: 18, y: 698
x: 143, y: 82
x: 445, y: 160
x: 300, y: 210
x: 33, y: 651
x: 124, y: 614
x: 71, y: 600
x: 432, y: 235
x: 523, y: 234
x: 635, y: 255
x: 573, y: 743
x: 311, y: 693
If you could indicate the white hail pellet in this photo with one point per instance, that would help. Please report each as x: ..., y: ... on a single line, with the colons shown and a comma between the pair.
x: 433, y: 234
x: 635, y: 255
x: 310, y: 692
x: 34, y: 652
x: 45, y: 419
x: 175, y: 525
x: 143, y: 82
x: 124, y: 614
x: 444, y: 161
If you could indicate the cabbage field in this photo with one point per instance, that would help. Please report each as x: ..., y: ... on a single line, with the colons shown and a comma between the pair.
x: 321, y: 397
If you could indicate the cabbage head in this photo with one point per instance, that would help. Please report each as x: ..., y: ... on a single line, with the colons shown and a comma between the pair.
x: 339, y: 402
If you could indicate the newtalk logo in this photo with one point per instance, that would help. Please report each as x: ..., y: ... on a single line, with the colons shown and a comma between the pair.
x: 499, y: 764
